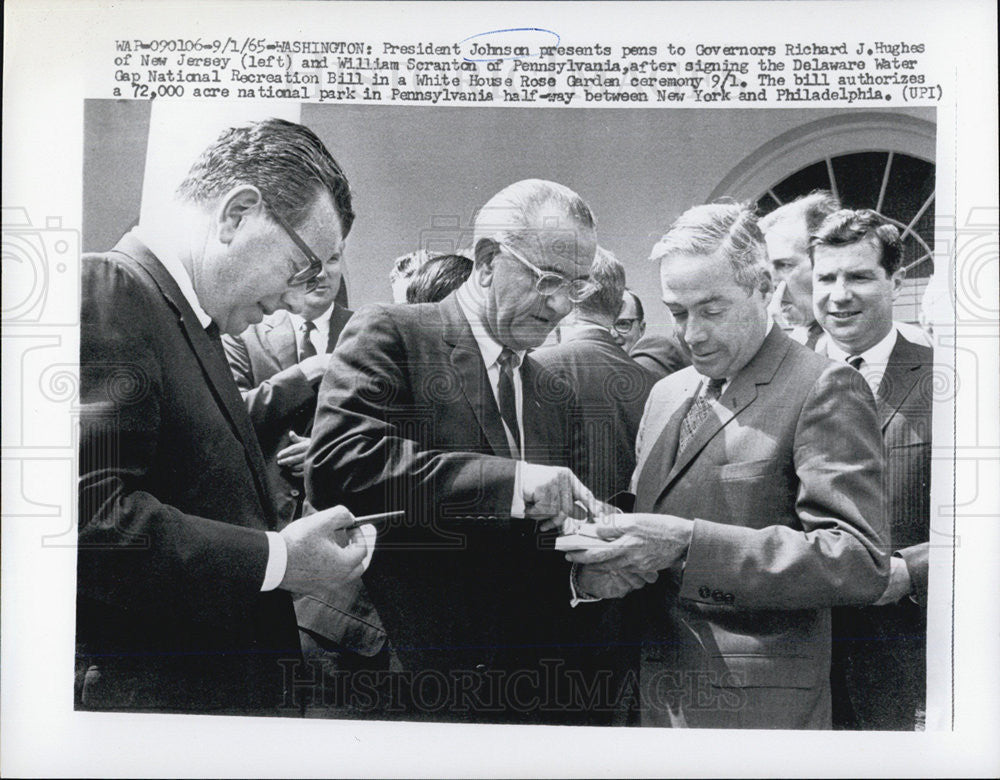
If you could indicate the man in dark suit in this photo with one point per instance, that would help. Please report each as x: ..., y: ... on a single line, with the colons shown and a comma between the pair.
x: 440, y: 410
x: 609, y: 387
x: 184, y: 582
x: 880, y: 651
x: 277, y: 365
x: 757, y: 498
x: 630, y: 325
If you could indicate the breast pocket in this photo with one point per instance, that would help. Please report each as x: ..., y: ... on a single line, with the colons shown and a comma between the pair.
x: 756, y: 493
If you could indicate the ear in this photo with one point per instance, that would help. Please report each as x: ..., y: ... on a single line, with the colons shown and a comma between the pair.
x: 235, y: 207
x: 897, y: 283
x: 486, y: 251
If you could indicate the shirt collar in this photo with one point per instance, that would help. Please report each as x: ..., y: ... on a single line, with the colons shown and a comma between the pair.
x: 470, y: 301
x: 176, y: 269
x: 877, y: 355
x: 322, y: 322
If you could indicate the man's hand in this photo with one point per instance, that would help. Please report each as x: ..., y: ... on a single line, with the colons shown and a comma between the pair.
x: 639, y: 543
x: 597, y: 580
x: 293, y: 457
x: 321, y: 553
x: 899, y: 582
x: 552, y: 493
x: 314, y: 367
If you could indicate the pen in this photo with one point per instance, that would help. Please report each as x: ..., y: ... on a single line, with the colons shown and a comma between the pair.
x: 373, y: 519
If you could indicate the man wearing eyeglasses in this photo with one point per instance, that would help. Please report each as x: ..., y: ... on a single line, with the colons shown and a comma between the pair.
x: 440, y: 410
x: 630, y: 324
x: 184, y: 591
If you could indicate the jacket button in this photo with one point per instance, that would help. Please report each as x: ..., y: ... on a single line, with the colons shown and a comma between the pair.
x: 704, y: 591
x: 294, y: 492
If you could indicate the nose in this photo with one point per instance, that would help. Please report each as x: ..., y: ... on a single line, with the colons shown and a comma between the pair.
x: 693, y: 331
x: 840, y: 291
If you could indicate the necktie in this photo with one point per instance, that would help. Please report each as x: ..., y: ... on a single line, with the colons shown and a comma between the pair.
x: 856, y: 362
x: 307, y: 348
x: 505, y: 391
x: 699, y: 412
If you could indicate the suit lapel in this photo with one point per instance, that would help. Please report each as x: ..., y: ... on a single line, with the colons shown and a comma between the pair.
x: 467, y: 361
x: 279, y: 334
x: 338, y: 320
x: 212, y: 361
x: 900, y: 377
x: 741, y: 393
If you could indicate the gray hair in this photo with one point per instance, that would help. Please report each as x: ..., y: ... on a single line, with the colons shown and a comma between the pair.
x: 727, y: 228
x: 514, y: 216
x: 812, y: 208
x: 607, y: 274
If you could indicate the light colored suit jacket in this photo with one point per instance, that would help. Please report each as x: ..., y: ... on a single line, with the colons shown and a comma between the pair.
x: 784, y: 485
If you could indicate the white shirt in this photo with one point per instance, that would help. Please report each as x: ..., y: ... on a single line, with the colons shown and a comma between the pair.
x: 277, y: 550
x: 470, y: 303
x: 319, y: 336
x: 876, y: 358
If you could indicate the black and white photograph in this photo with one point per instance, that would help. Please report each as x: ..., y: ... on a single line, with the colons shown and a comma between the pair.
x: 433, y: 406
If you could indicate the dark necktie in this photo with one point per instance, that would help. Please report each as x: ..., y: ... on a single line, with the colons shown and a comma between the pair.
x: 856, y: 362
x: 307, y: 349
x: 505, y: 391
x: 699, y: 412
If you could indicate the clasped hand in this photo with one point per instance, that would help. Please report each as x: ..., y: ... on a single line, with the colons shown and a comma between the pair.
x: 639, y: 546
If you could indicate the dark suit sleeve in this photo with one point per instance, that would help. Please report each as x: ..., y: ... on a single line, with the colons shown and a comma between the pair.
x: 367, y: 449
x: 136, y: 553
x: 274, y: 402
x: 840, y: 554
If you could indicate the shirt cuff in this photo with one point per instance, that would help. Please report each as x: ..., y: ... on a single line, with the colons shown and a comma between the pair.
x: 517, y: 503
x: 277, y: 561
x: 578, y: 596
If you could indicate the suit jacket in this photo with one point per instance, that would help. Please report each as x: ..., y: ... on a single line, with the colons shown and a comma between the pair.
x: 783, y: 482
x: 660, y: 354
x: 882, y: 650
x: 611, y: 391
x: 407, y: 420
x: 264, y: 363
x: 174, y: 503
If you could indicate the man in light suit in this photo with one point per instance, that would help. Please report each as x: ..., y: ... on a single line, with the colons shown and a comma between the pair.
x: 440, y: 410
x: 758, y: 498
x: 880, y: 651
x: 609, y: 387
x: 184, y: 580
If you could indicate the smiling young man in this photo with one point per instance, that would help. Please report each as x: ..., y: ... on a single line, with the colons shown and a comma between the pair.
x: 880, y: 657
x: 440, y: 410
x: 184, y: 579
x: 757, y: 498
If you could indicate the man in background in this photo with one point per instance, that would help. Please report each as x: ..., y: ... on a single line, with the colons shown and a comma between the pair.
x: 880, y: 651
x: 184, y: 578
x: 277, y: 365
x: 787, y: 231
x: 610, y: 389
x: 630, y: 325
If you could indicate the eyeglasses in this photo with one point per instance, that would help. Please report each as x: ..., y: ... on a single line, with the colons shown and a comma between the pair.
x: 310, y: 275
x: 625, y: 324
x: 549, y: 283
